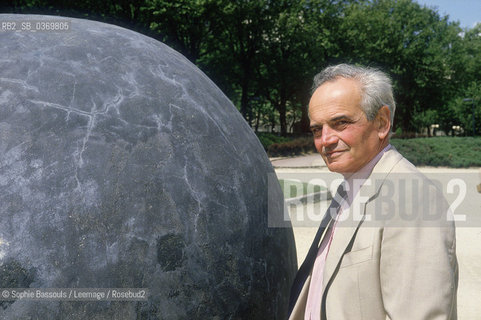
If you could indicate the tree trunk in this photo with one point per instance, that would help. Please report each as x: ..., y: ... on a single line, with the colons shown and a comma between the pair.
x: 305, y: 122
x: 245, y: 101
x: 257, y: 120
x: 282, y: 117
x: 245, y: 107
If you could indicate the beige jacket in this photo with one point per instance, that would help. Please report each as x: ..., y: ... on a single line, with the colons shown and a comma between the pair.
x: 398, y: 260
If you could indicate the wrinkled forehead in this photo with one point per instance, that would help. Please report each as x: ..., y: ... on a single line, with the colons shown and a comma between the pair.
x: 337, y: 96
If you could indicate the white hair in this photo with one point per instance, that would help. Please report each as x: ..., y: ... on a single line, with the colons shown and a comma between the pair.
x: 376, y: 86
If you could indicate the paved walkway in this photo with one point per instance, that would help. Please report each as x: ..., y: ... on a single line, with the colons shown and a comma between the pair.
x: 468, y: 237
x: 307, y: 161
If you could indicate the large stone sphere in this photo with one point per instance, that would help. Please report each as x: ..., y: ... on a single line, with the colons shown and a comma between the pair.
x: 123, y: 166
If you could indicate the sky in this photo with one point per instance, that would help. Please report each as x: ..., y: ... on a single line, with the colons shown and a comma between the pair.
x: 467, y: 12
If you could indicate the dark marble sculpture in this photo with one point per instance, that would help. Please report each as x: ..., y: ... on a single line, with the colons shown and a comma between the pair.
x: 123, y: 165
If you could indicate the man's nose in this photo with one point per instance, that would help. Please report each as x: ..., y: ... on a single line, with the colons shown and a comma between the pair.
x: 328, y: 136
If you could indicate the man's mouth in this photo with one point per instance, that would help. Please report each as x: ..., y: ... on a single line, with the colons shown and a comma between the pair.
x: 333, y: 153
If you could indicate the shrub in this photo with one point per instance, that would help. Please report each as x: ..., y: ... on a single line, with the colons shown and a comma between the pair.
x: 456, y: 152
x: 291, y: 148
x: 268, y: 139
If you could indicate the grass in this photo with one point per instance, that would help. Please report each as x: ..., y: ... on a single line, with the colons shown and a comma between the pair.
x: 295, y: 188
x: 455, y: 152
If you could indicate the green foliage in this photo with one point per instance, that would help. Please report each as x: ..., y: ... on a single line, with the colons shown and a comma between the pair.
x: 180, y: 23
x: 425, y: 119
x: 268, y: 139
x: 410, y: 42
x: 278, y: 146
x: 298, y: 41
x: 291, y: 148
x: 456, y: 152
x: 264, y: 53
x: 463, y: 107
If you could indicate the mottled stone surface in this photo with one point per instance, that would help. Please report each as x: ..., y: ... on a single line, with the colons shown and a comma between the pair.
x: 123, y: 165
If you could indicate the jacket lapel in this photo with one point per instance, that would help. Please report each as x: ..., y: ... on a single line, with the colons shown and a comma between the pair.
x: 346, y: 229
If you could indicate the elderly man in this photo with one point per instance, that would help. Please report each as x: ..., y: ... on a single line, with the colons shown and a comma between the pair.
x: 392, y: 255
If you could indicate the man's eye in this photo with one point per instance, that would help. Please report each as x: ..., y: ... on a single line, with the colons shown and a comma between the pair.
x: 342, y: 123
x: 316, y: 132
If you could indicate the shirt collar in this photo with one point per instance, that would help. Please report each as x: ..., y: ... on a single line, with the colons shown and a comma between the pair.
x: 361, y: 176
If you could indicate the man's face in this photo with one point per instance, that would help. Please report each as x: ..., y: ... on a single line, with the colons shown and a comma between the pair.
x: 343, y: 136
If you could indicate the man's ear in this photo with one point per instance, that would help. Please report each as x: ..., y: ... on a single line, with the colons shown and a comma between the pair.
x: 383, y: 122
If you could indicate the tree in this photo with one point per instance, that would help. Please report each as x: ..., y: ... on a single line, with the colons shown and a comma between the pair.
x: 467, y: 108
x: 465, y: 58
x: 296, y: 45
x: 412, y: 43
x: 183, y: 24
x: 425, y: 119
x: 465, y: 62
x: 125, y: 13
x: 233, y: 46
x: 263, y: 54
x: 283, y: 53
